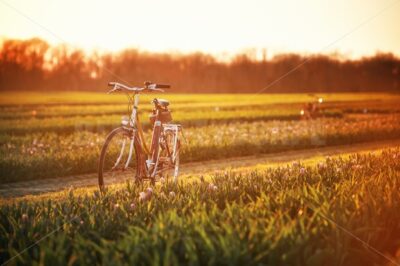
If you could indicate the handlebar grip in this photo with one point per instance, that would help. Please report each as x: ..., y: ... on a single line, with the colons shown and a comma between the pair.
x: 163, y: 86
x: 111, y: 84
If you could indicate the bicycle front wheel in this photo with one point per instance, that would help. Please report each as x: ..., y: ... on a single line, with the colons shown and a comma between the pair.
x: 118, y: 159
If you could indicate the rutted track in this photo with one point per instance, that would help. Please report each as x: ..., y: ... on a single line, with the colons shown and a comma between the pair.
x: 23, y: 188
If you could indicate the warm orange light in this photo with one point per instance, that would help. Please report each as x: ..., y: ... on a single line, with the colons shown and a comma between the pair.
x: 208, y: 26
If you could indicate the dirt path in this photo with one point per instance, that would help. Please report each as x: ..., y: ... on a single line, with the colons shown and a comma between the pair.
x: 23, y: 188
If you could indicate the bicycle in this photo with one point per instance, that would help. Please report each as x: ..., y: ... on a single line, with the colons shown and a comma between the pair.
x: 125, y: 154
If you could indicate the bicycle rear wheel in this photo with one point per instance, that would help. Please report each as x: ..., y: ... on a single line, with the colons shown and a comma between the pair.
x: 168, y: 159
x: 118, y: 159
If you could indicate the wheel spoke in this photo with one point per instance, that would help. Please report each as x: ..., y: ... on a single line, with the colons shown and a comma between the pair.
x: 130, y: 153
x: 168, y: 159
x: 120, y: 155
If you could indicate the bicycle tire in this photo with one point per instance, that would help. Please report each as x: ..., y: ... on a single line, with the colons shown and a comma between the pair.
x: 167, y: 146
x: 104, y: 162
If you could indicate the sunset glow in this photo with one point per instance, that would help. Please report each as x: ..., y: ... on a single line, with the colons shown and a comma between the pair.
x: 209, y: 26
x: 208, y: 132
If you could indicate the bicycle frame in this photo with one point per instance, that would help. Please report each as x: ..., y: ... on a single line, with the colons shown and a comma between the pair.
x: 148, y: 166
x: 133, y: 122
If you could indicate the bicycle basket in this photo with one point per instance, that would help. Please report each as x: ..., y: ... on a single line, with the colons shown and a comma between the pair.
x: 165, y: 117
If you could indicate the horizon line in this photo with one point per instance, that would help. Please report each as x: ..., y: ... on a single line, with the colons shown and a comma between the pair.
x: 255, y: 53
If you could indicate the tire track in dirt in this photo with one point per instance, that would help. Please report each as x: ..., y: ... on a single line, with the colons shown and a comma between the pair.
x: 23, y: 188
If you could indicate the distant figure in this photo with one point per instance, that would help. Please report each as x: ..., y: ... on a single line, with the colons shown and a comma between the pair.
x: 311, y: 110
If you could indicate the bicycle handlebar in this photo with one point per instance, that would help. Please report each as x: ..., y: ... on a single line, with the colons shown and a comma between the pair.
x: 148, y: 86
x: 162, y: 86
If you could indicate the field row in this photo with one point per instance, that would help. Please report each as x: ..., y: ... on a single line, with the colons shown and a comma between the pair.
x: 62, y: 110
x: 188, y: 118
x: 103, y: 123
x: 307, y: 215
x: 79, y: 98
x: 71, y: 112
x: 41, y: 155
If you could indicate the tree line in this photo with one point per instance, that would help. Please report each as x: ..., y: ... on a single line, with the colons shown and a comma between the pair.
x: 35, y: 65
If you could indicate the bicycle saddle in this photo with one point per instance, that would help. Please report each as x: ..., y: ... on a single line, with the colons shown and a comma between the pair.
x: 162, y: 102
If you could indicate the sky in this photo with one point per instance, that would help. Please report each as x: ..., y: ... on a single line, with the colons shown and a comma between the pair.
x: 352, y: 28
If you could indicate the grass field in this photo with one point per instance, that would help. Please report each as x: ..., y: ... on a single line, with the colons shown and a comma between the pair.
x: 58, y: 134
x: 284, y: 215
x: 44, y: 155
